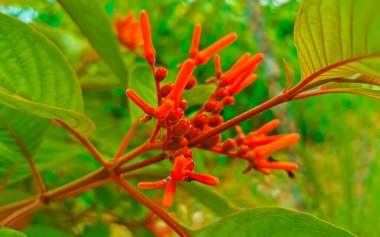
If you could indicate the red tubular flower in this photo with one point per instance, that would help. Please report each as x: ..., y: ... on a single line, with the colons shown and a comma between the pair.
x: 178, y: 172
x: 277, y: 165
x: 149, y: 185
x: 183, y: 77
x: 140, y: 102
x: 129, y: 32
x: 193, y: 52
x: 262, y: 140
x: 218, y: 68
x: 205, y: 54
x: 266, y: 128
x: 230, y: 75
x: 149, y: 51
x: 170, y: 189
x: 204, y: 178
x: 288, y: 140
x: 241, y: 60
x: 236, y: 88
x: 164, y: 109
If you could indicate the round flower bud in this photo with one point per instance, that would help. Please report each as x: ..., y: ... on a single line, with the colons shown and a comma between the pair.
x: 199, y: 121
x: 160, y: 73
x: 191, y: 83
x: 214, y: 120
x: 181, y: 127
x: 165, y: 90
x: 229, y: 144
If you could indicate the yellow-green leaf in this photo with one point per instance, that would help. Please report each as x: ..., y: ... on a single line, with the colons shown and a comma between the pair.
x: 92, y: 20
x: 270, y: 222
x: 36, y: 78
x: 338, y: 38
x: 289, y: 75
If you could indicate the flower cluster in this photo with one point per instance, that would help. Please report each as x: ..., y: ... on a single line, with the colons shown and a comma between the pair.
x: 254, y: 147
x: 129, y: 32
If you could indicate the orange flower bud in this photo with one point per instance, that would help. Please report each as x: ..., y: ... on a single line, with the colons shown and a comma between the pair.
x: 170, y: 189
x: 195, y: 41
x: 149, y: 51
x: 178, y: 173
x: 140, y: 102
x: 183, y: 77
x: 236, y: 88
x: 205, y: 54
x: 266, y: 150
x: 160, y: 73
x: 165, y: 90
x: 240, y: 61
x: 278, y: 165
x: 191, y: 83
x: 229, y: 144
x: 228, y: 100
x: 266, y: 128
x: 204, y: 178
x: 150, y: 185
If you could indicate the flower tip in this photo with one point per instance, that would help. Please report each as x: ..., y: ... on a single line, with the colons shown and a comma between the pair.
x: 170, y: 189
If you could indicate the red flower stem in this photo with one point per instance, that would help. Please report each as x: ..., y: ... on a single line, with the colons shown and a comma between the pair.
x: 142, y: 164
x: 80, y: 190
x: 151, y: 205
x: 159, y: 98
x: 126, y: 139
x: 155, y: 133
x: 90, y: 147
x: 215, y: 150
x: 137, y: 151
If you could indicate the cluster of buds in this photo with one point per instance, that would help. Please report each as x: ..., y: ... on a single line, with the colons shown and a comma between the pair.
x: 170, y: 113
x: 129, y: 32
x: 256, y: 147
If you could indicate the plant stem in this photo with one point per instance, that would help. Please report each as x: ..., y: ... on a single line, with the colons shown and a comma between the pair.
x: 142, y: 164
x: 151, y: 205
x: 90, y: 147
x: 127, y: 139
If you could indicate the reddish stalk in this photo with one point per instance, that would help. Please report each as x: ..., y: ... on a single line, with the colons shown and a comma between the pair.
x: 155, y: 133
x: 151, y: 205
x: 137, y: 151
x: 126, y: 139
x: 142, y: 164
x: 90, y: 147
x: 21, y: 212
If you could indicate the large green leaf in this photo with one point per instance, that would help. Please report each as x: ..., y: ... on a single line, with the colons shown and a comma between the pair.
x: 207, y: 196
x: 91, y: 18
x: 20, y: 137
x: 338, y: 38
x: 268, y: 222
x: 6, y: 232
x: 43, y: 230
x: 36, y: 78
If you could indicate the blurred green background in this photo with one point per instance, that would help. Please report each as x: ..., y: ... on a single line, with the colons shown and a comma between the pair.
x: 336, y: 180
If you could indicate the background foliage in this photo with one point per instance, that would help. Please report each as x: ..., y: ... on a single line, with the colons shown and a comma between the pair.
x: 337, y: 177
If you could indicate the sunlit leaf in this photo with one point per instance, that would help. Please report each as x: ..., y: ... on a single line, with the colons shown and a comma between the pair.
x: 42, y: 230
x: 289, y: 75
x: 350, y: 88
x: 338, y: 38
x: 36, y: 78
x: 91, y: 18
x: 6, y: 232
x: 266, y: 222
x: 202, y: 92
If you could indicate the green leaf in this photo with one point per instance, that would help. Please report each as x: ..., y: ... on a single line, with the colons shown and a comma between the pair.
x: 142, y: 82
x: 36, y: 78
x: 268, y: 222
x: 202, y: 92
x: 6, y: 232
x: 42, y: 230
x: 289, y: 75
x: 350, y: 88
x: 20, y: 137
x: 339, y: 38
x: 93, y: 22
x: 208, y: 197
